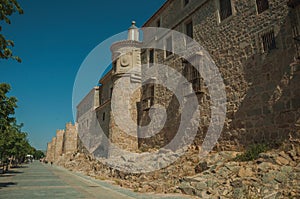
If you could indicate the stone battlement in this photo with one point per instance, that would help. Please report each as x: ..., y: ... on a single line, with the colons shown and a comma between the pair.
x: 65, y: 142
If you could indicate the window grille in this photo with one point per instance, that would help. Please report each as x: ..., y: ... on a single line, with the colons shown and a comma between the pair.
x: 262, y: 5
x: 192, y: 75
x: 269, y: 42
x: 225, y: 9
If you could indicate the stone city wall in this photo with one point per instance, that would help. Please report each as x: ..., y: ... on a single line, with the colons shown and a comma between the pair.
x: 66, y: 141
x: 262, y: 89
x: 70, y: 139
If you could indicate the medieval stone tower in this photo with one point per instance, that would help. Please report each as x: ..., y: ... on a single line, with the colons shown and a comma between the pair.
x: 126, y: 56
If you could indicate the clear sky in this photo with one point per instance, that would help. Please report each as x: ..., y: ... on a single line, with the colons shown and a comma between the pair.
x: 53, y: 38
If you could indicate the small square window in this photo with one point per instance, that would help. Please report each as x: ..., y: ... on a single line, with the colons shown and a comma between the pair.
x: 269, y: 42
x: 169, y: 46
x: 225, y: 9
x: 262, y: 5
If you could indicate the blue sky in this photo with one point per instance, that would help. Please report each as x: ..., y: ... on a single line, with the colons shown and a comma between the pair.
x: 53, y: 38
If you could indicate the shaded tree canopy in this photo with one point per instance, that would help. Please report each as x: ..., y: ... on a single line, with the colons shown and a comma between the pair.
x: 7, y: 8
x: 14, y: 144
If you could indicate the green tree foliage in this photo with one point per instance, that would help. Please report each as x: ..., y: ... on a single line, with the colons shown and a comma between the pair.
x: 7, y: 108
x: 38, y: 154
x: 14, y: 144
x: 7, y: 8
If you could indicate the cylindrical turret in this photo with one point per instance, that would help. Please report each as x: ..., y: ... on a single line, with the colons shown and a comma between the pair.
x: 133, y: 32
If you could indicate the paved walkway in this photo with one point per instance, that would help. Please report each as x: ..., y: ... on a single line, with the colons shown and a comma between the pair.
x: 38, y: 180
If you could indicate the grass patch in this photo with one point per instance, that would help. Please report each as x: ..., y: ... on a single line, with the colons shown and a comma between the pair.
x: 252, y: 152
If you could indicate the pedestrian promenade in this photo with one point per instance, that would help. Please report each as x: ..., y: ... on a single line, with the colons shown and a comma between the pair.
x: 37, y: 180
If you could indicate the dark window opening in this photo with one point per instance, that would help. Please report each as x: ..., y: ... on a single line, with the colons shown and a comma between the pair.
x: 103, y: 116
x: 186, y: 2
x: 262, y: 5
x: 225, y: 9
x: 189, y: 29
x: 148, y: 100
x: 158, y: 23
x: 151, y: 57
x: 192, y: 75
x: 269, y: 42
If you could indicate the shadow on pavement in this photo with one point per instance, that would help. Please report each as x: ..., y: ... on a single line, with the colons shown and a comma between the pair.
x: 11, y: 172
x: 7, y: 184
x: 20, y: 167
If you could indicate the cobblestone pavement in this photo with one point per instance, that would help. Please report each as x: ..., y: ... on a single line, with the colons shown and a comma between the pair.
x: 38, y: 180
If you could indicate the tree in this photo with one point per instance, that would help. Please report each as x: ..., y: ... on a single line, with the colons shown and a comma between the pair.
x: 7, y: 8
x: 7, y: 107
x: 14, y: 144
x: 7, y: 110
x: 38, y: 154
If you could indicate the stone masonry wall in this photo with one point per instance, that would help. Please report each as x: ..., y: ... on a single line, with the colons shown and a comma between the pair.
x: 127, y: 58
x: 119, y: 136
x: 70, y: 139
x: 59, y: 143
x: 65, y: 141
x: 262, y: 90
x: 49, y: 155
x: 53, y: 146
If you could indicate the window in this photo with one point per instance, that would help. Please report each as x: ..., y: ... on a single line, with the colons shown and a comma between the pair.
x: 262, y: 5
x: 192, y: 75
x: 148, y: 97
x: 103, y: 116
x: 151, y: 57
x: 158, y: 23
x: 169, y: 46
x: 185, y: 2
x: 189, y: 29
x: 269, y: 42
x: 225, y: 9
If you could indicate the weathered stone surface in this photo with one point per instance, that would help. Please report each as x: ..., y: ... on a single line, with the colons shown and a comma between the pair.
x: 281, y: 161
x: 65, y: 141
x: 70, y: 139
x: 261, y: 87
x: 202, y: 166
x: 225, y: 177
x: 245, y: 172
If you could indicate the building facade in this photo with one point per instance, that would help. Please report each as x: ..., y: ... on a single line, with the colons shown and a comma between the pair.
x: 255, y: 46
x: 88, y: 127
